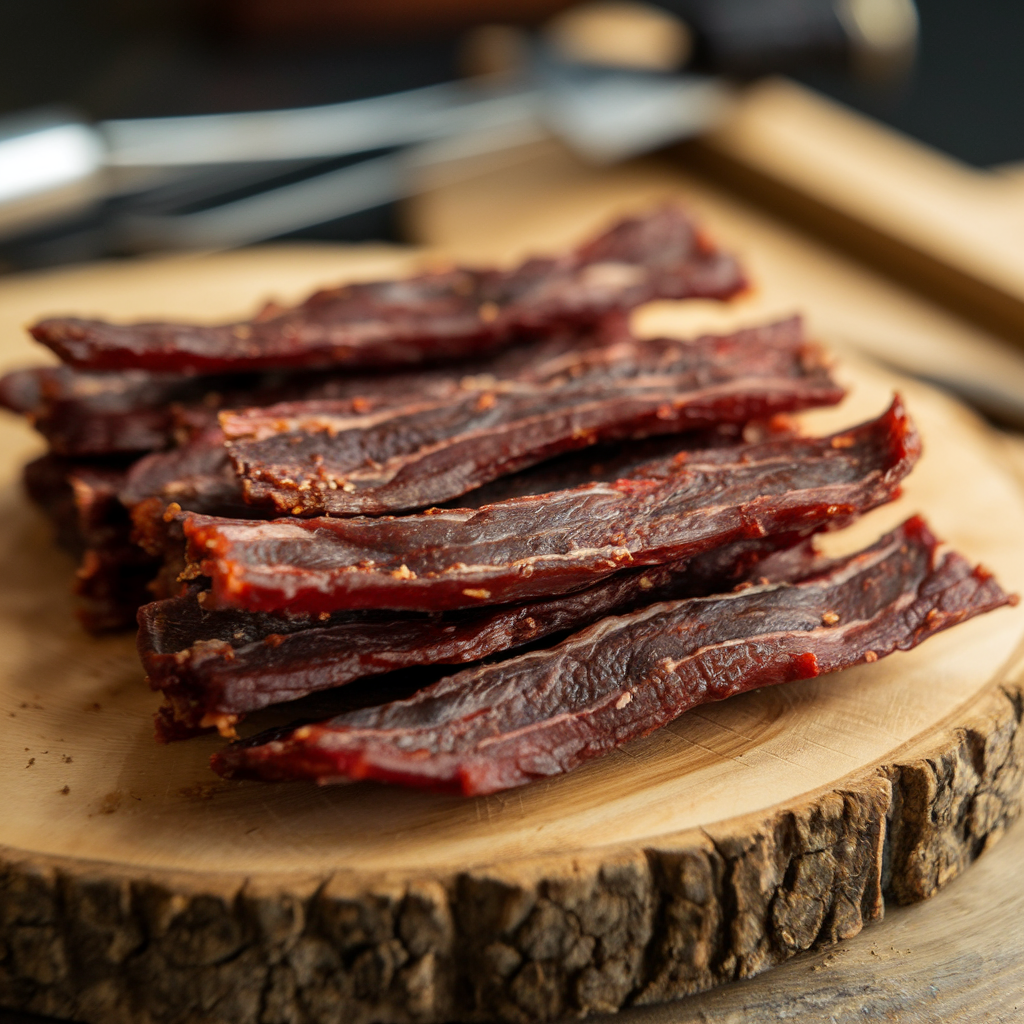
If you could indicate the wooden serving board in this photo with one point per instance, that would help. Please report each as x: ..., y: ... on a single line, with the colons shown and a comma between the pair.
x: 139, y: 887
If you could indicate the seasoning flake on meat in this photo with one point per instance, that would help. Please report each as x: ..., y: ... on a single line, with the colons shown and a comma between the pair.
x: 81, y: 499
x: 317, y: 458
x: 672, y: 508
x: 216, y: 666
x: 438, y: 316
x: 546, y: 712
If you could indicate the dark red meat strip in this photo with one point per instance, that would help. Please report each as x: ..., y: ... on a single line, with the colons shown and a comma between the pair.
x: 538, y: 546
x: 199, y: 476
x: 544, y: 713
x: 81, y: 499
x: 214, y: 667
x: 96, y: 414
x: 46, y: 484
x: 438, y: 316
x: 315, y: 458
x: 84, y: 413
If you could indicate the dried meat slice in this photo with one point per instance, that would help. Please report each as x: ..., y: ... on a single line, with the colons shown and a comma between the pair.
x: 83, y: 414
x: 544, y: 713
x: 673, y: 508
x: 451, y: 314
x: 317, y: 458
x: 82, y: 500
x: 214, y: 667
x: 199, y: 476
x: 86, y: 414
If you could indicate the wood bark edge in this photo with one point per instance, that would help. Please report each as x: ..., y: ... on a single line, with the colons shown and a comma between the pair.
x: 520, y: 942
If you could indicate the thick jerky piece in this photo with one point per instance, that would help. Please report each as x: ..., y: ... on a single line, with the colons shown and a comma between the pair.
x: 82, y: 499
x: 92, y: 414
x: 614, y: 461
x: 440, y: 316
x: 214, y: 667
x: 314, y: 458
x: 89, y: 414
x: 198, y: 476
x: 515, y: 550
x: 544, y: 713
x: 111, y: 581
x: 46, y: 484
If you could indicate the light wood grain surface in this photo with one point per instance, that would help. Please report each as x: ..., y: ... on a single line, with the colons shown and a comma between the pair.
x: 954, y: 231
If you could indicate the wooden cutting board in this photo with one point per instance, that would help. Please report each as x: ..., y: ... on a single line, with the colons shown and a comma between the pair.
x: 139, y: 887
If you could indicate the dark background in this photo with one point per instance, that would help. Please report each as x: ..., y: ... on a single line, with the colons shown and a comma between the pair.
x: 126, y: 58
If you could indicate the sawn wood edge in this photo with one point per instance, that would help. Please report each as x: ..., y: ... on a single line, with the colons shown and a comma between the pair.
x: 525, y: 941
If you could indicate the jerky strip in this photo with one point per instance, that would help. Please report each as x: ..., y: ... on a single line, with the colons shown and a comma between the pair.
x: 440, y: 316
x: 315, y: 458
x: 554, y: 543
x: 92, y: 414
x: 99, y: 413
x: 81, y: 499
x: 214, y: 667
x: 544, y: 713
x: 198, y: 474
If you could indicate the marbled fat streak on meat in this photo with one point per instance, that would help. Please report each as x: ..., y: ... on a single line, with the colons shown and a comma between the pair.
x: 673, y: 508
x: 451, y: 314
x: 544, y: 713
x: 316, y: 458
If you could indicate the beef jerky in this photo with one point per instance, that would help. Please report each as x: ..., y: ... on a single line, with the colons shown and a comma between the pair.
x: 620, y: 459
x: 197, y: 476
x: 315, y: 458
x: 111, y: 583
x: 111, y: 580
x: 82, y: 499
x: 524, y: 548
x: 439, y: 316
x: 544, y: 713
x: 46, y: 483
x: 216, y: 666
x: 86, y: 414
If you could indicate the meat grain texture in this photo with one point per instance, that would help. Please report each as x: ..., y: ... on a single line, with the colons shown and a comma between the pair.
x: 544, y: 713
x: 670, y: 509
x: 452, y: 314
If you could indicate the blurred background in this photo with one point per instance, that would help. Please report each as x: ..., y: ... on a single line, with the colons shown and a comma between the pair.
x: 128, y: 58
x: 948, y: 75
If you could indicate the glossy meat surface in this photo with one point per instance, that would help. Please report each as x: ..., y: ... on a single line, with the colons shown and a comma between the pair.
x: 440, y: 316
x: 673, y: 508
x: 317, y: 458
x: 81, y: 498
x: 215, y: 666
x: 544, y: 713
x: 84, y: 413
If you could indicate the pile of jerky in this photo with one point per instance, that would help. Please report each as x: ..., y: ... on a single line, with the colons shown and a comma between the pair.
x: 477, y: 481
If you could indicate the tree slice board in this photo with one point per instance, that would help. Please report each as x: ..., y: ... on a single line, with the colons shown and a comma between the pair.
x: 139, y: 887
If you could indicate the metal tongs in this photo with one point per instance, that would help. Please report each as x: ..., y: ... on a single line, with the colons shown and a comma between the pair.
x: 611, y: 80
